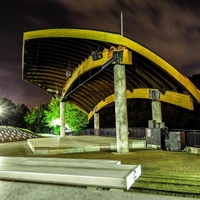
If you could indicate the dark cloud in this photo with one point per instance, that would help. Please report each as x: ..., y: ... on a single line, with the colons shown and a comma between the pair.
x: 173, y: 32
x: 170, y: 28
x: 193, y: 68
x: 17, y: 17
x: 194, y: 5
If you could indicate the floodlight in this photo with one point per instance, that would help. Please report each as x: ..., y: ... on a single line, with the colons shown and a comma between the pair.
x: 96, y: 55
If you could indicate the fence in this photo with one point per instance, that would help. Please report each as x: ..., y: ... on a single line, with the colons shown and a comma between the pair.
x: 192, y: 137
x: 135, y: 133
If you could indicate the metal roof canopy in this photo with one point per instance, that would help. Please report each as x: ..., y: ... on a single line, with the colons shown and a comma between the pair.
x: 59, y: 61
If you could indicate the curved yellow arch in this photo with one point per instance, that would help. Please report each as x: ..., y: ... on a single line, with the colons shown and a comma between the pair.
x: 118, y: 40
x: 89, y: 64
x: 178, y: 99
x: 128, y: 43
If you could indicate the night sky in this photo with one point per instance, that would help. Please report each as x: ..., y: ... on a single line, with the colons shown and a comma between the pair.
x: 170, y: 28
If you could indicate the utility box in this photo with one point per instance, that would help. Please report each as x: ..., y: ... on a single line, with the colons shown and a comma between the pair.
x: 153, y: 136
x: 177, y: 140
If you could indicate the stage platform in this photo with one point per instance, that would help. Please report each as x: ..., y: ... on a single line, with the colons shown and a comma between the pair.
x: 76, y: 144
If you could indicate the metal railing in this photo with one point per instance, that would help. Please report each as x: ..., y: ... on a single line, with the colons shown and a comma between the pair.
x: 135, y: 133
x: 192, y: 137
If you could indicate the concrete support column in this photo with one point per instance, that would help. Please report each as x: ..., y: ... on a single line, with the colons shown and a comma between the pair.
x: 62, y: 119
x: 121, y: 109
x: 96, y: 124
x: 156, y: 111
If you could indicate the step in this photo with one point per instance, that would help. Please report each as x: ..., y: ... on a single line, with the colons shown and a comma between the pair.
x: 59, y: 171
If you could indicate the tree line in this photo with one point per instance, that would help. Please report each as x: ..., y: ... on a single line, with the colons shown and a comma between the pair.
x: 45, y: 118
x: 41, y: 119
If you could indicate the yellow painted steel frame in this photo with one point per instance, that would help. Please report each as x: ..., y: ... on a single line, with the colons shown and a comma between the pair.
x: 178, y: 99
x: 170, y: 97
x: 118, y: 40
x: 89, y: 64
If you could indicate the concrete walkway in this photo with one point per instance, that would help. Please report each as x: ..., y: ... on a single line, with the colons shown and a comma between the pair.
x: 37, y: 191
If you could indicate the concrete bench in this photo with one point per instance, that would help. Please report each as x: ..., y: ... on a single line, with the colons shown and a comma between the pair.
x: 80, y: 172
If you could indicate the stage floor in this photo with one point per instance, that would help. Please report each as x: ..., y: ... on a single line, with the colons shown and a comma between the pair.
x: 77, y: 144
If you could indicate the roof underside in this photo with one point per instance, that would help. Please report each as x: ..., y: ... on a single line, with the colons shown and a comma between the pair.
x: 47, y: 57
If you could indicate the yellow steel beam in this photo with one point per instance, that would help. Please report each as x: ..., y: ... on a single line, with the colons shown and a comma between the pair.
x: 178, y: 99
x: 89, y: 64
x: 119, y: 40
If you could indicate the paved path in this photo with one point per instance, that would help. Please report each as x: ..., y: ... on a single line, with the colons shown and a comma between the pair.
x: 34, y: 191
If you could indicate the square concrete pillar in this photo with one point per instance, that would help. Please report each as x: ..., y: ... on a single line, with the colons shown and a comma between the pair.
x: 155, y: 105
x: 62, y: 119
x: 156, y: 111
x: 96, y: 124
x: 121, y: 109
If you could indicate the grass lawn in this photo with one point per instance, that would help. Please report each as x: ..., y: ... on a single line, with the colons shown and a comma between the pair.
x: 166, y: 172
x: 152, y: 161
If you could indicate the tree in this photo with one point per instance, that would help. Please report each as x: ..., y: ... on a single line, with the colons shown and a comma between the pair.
x: 52, y: 112
x: 20, y: 111
x: 36, y: 119
x: 76, y: 119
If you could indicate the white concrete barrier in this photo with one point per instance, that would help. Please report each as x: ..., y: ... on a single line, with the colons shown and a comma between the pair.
x: 81, y: 172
